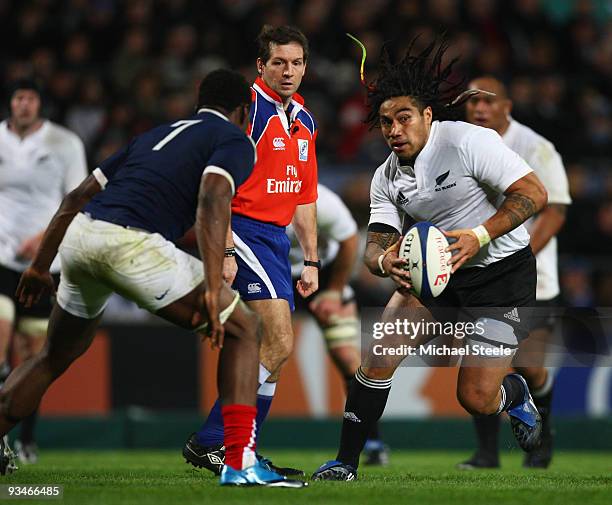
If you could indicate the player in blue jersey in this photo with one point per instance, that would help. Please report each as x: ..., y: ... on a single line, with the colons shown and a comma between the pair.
x: 116, y: 232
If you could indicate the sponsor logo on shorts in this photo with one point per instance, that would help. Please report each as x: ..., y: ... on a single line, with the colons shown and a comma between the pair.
x: 513, y: 315
x: 350, y: 416
x: 254, y: 287
x: 278, y: 144
x: 163, y: 295
x: 303, y: 149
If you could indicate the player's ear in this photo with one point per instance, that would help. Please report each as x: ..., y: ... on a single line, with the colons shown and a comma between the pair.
x: 428, y: 114
x: 260, y: 66
x: 508, y: 107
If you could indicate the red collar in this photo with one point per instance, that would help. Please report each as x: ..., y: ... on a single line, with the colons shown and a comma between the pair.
x: 274, y: 95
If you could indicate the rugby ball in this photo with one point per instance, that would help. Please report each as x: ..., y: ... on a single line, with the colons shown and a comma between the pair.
x: 424, y: 248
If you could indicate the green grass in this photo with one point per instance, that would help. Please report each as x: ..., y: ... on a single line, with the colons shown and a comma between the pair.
x: 161, y: 477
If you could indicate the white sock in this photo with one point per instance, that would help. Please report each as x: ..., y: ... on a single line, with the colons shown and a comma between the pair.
x: 264, y: 373
x: 267, y: 389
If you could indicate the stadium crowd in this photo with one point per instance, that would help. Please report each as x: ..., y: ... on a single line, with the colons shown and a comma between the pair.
x: 112, y: 69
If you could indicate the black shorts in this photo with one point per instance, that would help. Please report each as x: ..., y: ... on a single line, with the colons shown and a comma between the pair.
x: 348, y: 295
x: 504, y: 291
x: 9, y: 280
x: 544, y: 315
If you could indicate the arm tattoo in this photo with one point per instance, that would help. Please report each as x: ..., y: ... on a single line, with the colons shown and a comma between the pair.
x: 383, y: 240
x: 518, y: 208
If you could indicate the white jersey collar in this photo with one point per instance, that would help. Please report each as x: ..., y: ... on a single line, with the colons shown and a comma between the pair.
x: 9, y: 133
x: 510, y: 132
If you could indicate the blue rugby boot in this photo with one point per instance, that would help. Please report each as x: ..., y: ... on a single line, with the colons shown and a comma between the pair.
x: 335, y: 470
x: 526, y: 421
x: 376, y: 453
x: 257, y: 475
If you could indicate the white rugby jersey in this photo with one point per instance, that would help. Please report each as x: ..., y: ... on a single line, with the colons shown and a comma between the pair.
x: 447, y: 184
x: 546, y: 162
x: 35, y: 174
x: 334, y: 224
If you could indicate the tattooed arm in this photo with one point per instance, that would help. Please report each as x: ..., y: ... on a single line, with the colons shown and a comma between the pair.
x: 382, y: 244
x: 523, y: 199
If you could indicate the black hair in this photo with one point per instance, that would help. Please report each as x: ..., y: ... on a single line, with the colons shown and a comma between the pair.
x: 225, y: 89
x: 24, y: 83
x: 418, y: 76
x: 280, y: 35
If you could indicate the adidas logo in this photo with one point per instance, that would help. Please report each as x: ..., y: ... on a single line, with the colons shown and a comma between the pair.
x: 513, y: 315
x: 350, y: 416
x: 401, y: 199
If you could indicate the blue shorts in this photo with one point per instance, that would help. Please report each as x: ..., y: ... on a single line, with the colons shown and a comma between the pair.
x: 262, y: 254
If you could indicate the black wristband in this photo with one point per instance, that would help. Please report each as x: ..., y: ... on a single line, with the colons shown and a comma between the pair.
x: 316, y: 264
x: 230, y: 252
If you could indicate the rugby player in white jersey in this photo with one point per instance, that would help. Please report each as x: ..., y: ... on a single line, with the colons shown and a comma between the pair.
x: 40, y: 162
x: 436, y: 173
x: 333, y: 305
x: 493, y: 111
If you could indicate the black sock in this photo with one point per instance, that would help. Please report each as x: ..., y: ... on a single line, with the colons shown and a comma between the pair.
x: 27, y: 428
x: 513, y: 392
x: 365, y: 404
x: 375, y: 431
x: 487, y: 431
x: 542, y: 397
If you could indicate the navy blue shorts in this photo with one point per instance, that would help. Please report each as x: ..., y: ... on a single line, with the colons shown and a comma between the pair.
x: 262, y: 254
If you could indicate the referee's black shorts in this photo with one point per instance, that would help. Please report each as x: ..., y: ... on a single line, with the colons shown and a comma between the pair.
x: 504, y: 291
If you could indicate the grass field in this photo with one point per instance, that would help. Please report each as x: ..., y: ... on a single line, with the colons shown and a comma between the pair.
x: 161, y: 477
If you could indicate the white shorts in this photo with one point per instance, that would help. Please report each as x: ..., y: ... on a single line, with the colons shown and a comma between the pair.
x: 99, y: 258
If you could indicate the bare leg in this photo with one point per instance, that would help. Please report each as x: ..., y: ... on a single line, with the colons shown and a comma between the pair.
x: 238, y: 360
x: 6, y: 328
x: 68, y: 337
x: 478, y: 385
x: 277, y: 342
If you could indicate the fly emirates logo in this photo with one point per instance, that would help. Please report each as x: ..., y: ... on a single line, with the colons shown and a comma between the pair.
x: 287, y: 185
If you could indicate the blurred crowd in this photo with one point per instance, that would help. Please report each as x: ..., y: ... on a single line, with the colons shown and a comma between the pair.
x: 112, y: 69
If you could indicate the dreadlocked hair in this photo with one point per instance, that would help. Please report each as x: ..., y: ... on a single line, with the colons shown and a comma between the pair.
x: 420, y: 77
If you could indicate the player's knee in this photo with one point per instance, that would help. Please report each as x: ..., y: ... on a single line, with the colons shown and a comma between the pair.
x: 378, y: 373
x: 58, y: 358
x: 33, y: 327
x: 341, y: 332
x: 7, y: 309
x: 477, y: 400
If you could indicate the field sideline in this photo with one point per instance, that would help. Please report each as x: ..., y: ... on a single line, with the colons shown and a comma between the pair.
x: 161, y: 477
